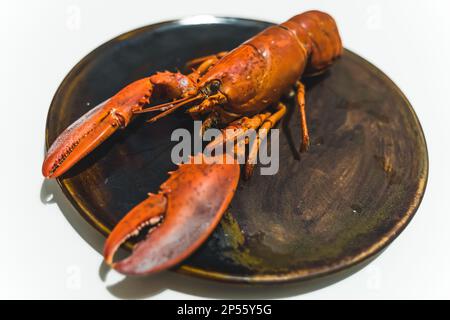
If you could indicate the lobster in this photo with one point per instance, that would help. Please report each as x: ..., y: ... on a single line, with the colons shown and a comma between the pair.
x: 240, y: 89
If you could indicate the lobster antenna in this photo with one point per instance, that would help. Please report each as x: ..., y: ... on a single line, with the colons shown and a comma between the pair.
x: 164, y: 106
x: 175, y: 106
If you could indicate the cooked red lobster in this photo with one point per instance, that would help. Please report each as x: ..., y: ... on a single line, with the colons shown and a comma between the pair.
x: 240, y: 89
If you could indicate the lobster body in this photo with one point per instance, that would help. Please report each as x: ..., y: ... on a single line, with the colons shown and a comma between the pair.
x: 257, y: 73
x: 239, y: 90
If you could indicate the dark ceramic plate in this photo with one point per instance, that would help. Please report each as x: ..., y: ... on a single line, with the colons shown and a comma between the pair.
x: 335, y: 206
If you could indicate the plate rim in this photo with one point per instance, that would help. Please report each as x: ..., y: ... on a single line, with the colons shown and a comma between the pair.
x: 299, y: 274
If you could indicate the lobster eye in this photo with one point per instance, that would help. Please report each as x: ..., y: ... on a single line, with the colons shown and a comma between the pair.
x: 211, y: 88
x: 214, y: 86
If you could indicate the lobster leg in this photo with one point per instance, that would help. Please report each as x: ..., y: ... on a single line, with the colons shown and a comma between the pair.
x: 211, y: 121
x: 182, y: 216
x: 237, y: 129
x: 94, y: 127
x: 268, y: 124
x: 301, y: 104
x: 264, y: 122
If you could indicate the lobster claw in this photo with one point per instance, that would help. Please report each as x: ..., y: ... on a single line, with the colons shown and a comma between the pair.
x: 89, y: 131
x: 182, y: 215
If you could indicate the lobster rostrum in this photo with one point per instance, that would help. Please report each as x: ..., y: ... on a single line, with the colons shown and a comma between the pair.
x: 240, y: 89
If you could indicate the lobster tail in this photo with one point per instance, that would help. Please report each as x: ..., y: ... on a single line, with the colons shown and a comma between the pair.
x: 318, y: 32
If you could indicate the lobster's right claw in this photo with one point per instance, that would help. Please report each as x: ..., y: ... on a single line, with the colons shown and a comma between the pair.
x: 88, y: 132
x: 182, y: 216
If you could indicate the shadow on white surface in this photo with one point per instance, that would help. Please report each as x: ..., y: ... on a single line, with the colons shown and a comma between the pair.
x: 150, y: 286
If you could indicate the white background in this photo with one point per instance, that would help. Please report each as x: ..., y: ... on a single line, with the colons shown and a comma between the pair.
x: 43, y: 254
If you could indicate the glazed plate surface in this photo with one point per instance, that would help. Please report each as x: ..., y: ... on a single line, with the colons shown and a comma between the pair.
x: 325, y: 210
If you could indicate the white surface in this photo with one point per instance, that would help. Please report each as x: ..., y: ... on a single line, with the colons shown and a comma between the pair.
x: 43, y: 255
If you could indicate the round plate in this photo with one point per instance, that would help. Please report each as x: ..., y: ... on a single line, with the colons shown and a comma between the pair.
x: 325, y: 210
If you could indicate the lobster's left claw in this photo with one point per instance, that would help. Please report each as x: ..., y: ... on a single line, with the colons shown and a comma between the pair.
x: 182, y: 216
x: 97, y: 125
